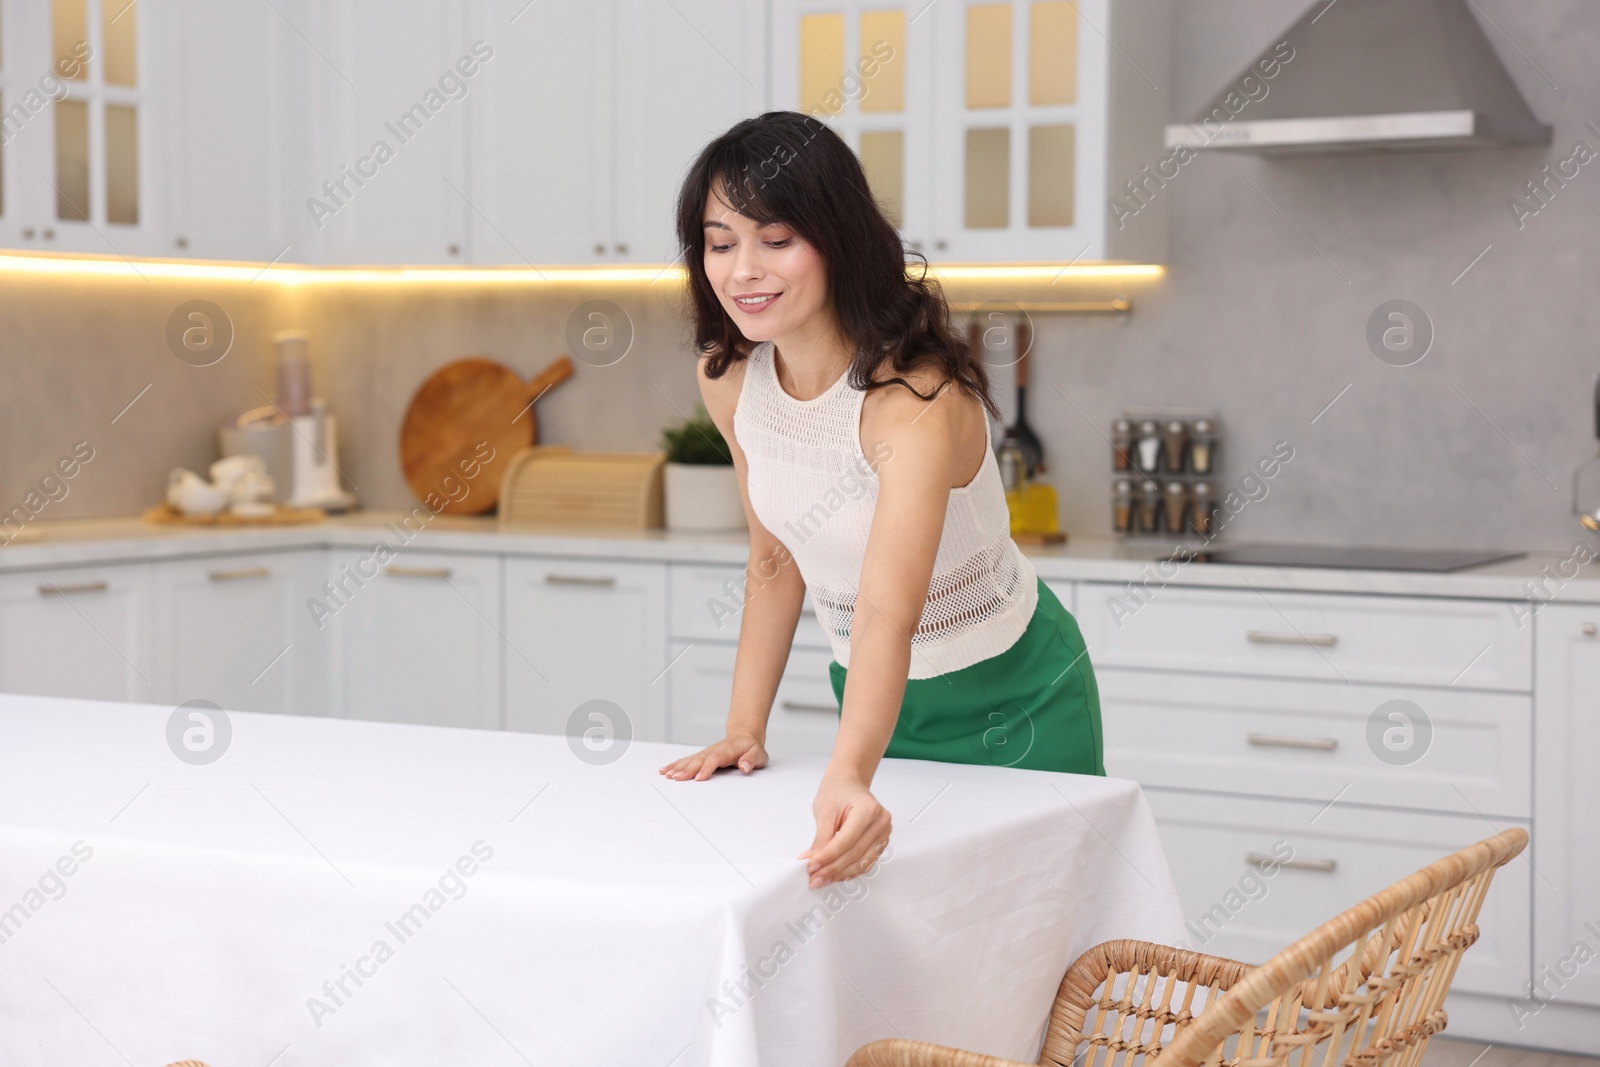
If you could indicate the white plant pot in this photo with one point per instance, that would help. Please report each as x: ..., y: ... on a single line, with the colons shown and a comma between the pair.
x: 702, y: 497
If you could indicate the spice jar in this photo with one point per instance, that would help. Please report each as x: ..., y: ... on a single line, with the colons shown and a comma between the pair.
x: 1202, y: 446
x: 1122, y: 506
x: 1147, y: 449
x: 1174, y: 503
x: 1122, y: 445
x: 1174, y: 437
x: 1148, y: 513
x: 1202, y: 510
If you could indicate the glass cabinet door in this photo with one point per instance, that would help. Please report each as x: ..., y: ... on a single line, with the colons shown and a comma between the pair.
x: 865, y: 68
x: 1019, y: 129
x: 98, y: 125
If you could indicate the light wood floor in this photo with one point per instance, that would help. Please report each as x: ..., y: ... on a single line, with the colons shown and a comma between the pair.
x: 1449, y: 1052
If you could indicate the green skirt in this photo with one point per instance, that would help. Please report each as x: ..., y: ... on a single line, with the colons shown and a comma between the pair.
x: 1035, y: 705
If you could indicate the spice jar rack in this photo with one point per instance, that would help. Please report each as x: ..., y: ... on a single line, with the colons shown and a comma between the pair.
x: 1163, y: 473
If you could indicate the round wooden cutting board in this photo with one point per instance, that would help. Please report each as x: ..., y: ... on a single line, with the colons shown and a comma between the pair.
x: 464, y: 424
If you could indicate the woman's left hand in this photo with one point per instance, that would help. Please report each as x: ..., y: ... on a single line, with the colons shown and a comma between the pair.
x: 852, y: 830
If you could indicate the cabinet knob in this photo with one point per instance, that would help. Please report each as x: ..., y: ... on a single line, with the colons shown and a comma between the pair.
x: 941, y: 244
x: 1590, y: 629
x: 916, y: 246
x: 453, y: 249
x: 599, y: 249
x: 181, y: 242
x: 27, y: 233
x: 49, y: 234
x: 622, y: 250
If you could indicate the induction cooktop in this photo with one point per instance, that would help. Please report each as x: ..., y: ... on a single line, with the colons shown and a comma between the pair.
x: 1356, y: 557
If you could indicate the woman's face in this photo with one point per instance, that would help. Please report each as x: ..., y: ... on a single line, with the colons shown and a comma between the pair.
x: 771, y: 281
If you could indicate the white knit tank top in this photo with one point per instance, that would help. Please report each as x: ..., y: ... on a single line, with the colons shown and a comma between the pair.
x: 813, y: 488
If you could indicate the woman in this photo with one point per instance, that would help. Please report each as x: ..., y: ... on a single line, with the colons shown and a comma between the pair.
x: 818, y: 351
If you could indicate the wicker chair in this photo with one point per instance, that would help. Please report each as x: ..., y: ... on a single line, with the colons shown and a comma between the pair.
x: 1123, y: 1001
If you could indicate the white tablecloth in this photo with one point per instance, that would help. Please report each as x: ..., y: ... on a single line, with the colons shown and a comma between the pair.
x: 252, y: 912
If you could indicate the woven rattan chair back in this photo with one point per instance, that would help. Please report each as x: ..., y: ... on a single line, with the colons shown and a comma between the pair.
x: 1365, y: 989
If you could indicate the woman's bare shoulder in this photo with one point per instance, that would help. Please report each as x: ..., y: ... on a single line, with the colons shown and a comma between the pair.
x: 895, y: 403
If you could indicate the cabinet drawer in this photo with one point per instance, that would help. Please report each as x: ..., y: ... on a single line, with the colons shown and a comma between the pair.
x: 415, y: 638
x: 80, y: 632
x: 1231, y: 908
x: 235, y: 630
x: 1404, y: 640
x: 707, y: 603
x: 805, y: 716
x: 1466, y: 751
x: 585, y: 629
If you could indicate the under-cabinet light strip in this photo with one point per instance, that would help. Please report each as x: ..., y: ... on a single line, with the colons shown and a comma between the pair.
x: 192, y: 270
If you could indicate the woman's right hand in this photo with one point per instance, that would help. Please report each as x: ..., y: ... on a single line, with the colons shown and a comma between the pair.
x: 740, y: 749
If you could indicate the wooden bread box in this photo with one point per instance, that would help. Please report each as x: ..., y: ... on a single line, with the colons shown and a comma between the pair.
x: 553, y: 487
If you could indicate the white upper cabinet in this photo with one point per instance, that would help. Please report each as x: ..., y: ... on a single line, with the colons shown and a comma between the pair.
x: 81, y: 134
x: 991, y: 131
x: 591, y: 113
x: 387, y: 181
x: 230, y: 127
x: 503, y: 132
x: 686, y: 71
x: 540, y: 152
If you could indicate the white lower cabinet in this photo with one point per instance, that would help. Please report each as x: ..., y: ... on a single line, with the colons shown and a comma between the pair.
x: 235, y: 630
x: 582, y: 630
x: 1566, y: 921
x: 804, y: 718
x: 1434, y: 641
x: 1250, y: 742
x: 79, y: 632
x: 414, y: 640
x: 1332, y: 858
x: 1459, y: 751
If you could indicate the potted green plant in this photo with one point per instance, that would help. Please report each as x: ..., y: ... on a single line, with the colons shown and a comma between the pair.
x: 701, y: 488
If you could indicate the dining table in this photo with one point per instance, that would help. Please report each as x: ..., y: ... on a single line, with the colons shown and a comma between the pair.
x: 277, y: 890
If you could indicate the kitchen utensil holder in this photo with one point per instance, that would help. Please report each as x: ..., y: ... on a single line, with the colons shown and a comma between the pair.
x: 1173, y: 449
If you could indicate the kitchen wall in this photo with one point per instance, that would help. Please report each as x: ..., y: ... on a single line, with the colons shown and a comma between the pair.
x: 87, y: 359
x: 1274, y: 270
x: 1275, y: 267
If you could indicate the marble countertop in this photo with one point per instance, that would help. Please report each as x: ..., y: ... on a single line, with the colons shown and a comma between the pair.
x: 1539, y: 576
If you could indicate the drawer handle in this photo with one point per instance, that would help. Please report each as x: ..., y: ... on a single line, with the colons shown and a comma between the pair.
x: 581, y: 579
x: 1265, y: 637
x: 800, y: 705
x: 1261, y: 859
x: 1322, y: 744
x: 418, y: 572
x: 82, y: 587
x: 242, y: 572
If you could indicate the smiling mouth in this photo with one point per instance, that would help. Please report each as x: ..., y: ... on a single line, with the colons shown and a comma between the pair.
x: 756, y: 301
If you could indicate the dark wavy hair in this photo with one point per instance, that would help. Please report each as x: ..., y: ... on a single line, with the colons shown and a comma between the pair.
x: 789, y: 168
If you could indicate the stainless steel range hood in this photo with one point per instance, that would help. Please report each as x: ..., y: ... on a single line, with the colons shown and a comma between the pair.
x: 1369, y: 76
